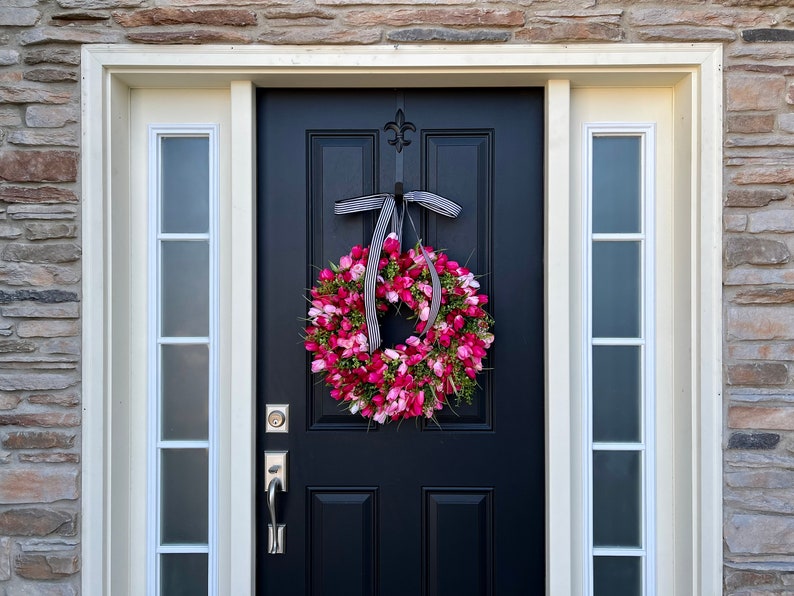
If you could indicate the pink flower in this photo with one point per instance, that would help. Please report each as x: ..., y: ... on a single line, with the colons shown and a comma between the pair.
x: 318, y: 365
x: 392, y: 354
x: 357, y: 271
x: 464, y: 352
x: 468, y: 281
x: 326, y: 275
x: 438, y: 368
x: 391, y: 244
x: 345, y: 262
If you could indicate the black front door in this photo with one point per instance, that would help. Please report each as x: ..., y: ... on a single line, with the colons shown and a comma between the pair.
x: 454, y: 508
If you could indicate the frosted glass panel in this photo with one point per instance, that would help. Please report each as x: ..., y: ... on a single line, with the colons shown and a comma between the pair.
x: 616, y: 289
x: 616, y: 184
x: 617, y: 498
x: 183, y: 574
x: 185, y: 287
x: 617, y: 393
x: 617, y: 576
x: 185, y: 392
x: 185, y: 184
x: 185, y: 496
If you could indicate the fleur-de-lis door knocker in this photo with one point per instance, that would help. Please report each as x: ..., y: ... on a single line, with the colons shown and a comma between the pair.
x: 400, y: 127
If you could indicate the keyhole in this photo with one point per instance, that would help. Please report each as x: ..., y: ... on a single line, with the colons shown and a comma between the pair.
x: 276, y: 419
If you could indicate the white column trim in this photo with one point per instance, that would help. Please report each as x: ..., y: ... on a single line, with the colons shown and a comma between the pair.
x: 110, y: 68
x: 707, y: 337
x: 95, y: 111
x: 559, y: 543
x: 241, y: 517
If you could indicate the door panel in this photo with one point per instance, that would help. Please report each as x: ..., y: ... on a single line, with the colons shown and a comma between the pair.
x: 458, y: 541
x: 453, y: 507
x: 460, y: 165
x: 340, y: 164
x: 352, y: 514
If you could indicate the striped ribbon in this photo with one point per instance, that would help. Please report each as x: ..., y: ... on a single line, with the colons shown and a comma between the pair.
x: 390, y: 214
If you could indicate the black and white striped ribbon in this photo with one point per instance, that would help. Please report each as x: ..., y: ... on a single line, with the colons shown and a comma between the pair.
x: 389, y: 214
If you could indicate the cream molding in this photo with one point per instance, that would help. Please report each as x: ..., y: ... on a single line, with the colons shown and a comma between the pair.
x: 109, y: 71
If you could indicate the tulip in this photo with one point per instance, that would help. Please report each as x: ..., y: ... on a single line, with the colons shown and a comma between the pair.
x: 464, y: 352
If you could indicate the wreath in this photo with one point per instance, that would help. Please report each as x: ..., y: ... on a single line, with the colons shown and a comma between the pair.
x: 414, y: 378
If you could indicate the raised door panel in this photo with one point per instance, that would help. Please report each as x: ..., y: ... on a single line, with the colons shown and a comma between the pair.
x: 340, y: 164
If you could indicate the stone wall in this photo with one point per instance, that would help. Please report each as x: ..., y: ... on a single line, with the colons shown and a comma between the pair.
x: 40, y: 230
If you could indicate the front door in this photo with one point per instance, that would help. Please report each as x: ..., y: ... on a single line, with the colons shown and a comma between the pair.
x: 447, y: 507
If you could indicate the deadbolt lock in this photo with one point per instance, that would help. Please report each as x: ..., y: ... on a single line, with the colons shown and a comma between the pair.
x: 277, y: 418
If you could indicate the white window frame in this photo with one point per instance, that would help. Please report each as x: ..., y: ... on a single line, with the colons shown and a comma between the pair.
x: 155, y: 339
x: 646, y: 446
x: 692, y: 71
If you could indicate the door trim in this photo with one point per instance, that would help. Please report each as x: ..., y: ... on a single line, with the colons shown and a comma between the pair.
x: 692, y: 70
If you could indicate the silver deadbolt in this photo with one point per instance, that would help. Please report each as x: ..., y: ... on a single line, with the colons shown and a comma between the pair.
x: 276, y: 418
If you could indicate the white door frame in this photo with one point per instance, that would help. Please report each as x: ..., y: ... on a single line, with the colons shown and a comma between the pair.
x: 693, y: 71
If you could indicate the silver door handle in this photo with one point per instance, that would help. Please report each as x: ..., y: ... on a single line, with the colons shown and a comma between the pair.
x: 276, y: 479
x: 274, y: 538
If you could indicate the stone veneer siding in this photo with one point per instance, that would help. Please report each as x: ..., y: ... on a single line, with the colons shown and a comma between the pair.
x: 40, y: 232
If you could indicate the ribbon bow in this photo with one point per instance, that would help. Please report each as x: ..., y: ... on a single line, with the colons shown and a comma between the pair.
x: 389, y: 213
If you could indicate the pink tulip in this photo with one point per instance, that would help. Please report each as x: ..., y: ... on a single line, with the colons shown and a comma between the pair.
x: 424, y: 313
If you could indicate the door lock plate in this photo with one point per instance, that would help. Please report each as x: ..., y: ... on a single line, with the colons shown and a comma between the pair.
x: 276, y: 467
x: 277, y: 418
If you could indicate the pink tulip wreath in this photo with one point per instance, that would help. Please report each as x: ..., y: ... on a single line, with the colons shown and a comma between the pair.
x: 414, y: 378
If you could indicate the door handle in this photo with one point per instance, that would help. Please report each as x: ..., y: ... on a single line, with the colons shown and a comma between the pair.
x: 276, y: 482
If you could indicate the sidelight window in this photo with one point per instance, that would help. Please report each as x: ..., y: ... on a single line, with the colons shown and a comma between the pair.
x: 183, y: 359
x: 618, y: 425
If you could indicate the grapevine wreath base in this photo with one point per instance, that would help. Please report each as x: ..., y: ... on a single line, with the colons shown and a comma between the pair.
x: 414, y: 378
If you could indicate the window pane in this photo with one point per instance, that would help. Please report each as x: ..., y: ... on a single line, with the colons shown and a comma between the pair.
x: 185, y: 496
x: 616, y: 184
x: 185, y: 178
x: 616, y: 289
x: 617, y: 393
x: 617, y: 576
x: 617, y: 494
x: 183, y: 574
x: 185, y: 286
x: 185, y: 392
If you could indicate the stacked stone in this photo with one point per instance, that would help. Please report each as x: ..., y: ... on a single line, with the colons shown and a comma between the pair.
x: 39, y: 309
x: 40, y: 249
x: 759, y: 324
